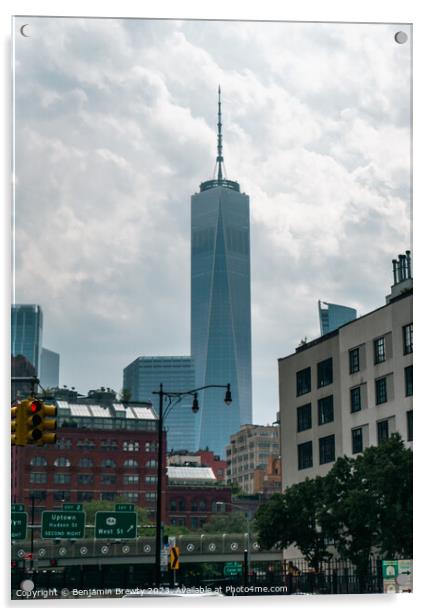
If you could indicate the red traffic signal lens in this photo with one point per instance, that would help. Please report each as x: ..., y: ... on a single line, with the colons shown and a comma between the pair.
x: 35, y: 406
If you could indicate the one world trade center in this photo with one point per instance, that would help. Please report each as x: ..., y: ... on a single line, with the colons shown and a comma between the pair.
x: 220, y: 303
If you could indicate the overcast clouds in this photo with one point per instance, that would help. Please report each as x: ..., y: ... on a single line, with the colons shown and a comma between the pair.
x: 115, y: 129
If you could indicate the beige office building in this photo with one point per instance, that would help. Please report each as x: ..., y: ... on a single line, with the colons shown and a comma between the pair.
x: 249, y: 450
x: 350, y: 388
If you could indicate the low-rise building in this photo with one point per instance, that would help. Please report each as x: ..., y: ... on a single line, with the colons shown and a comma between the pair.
x: 248, y: 450
x: 193, y: 496
x: 350, y: 388
x: 202, y: 457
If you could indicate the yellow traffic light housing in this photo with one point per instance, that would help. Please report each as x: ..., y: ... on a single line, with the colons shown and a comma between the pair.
x: 33, y: 423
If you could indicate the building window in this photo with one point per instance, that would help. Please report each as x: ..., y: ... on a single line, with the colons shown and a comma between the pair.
x: 305, y: 455
x: 381, y: 391
x: 62, y: 496
x: 130, y: 463
x: 355, y: 399
x: 181, y: 505
x: 86, y: 444
x: 408, y: 338
x: 324, y: 373
x: 382, y: 431
x: 150, y: 446
x: 354, y: 365
x: 150, y: 479
x: 85, y: 479
x: 108, y: 479
x: 84, y: 496
x: 303, y: 414
x: 357, y: 441
x: 130, y: 446
x: 379, y: 350
x: 151, y: 464
x: 38, y: 461
x: 64, y: 443
x: 130, y: 479
x: 325, y: 410
x: 150, y: 495
x: 109, y: 445
x: 173, y: 505
x: 61, y: 478
x: 109, y: 496
x: 303, y: 381
x: 327, y: 449
x: 62, y: 462
x: 131, y: 496
x: 38, y: 477
x: 409, y: 425
x: 85, y: 463
x: 408, y: 378
x: 107, y: 463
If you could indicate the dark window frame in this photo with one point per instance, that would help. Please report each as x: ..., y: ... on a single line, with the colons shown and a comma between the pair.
x: 382, y: 431
x: 381, y: 393
x: 408, y: 380
x: 303, y: 381
x: 357, y: 440
x: 379, y: 350
x: 305, y: 455
x: 409, y: 426
x: 408, y: 338
x: 327, y: 449
x: 303, y: 417
x: 354, y: 360
x: 325, y: 373
x: 355, y: 402
x: 325, y: 415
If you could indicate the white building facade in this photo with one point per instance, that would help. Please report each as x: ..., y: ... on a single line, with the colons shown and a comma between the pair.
x: 351, y: 388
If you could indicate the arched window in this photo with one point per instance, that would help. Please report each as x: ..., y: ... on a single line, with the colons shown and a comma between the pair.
x: 173, y: 505
x: 151, y: 464
x: 62, y: 462
x: 38, y: 461
x: 107, y: 463
x: 130, y: 463
x: 85, y: 462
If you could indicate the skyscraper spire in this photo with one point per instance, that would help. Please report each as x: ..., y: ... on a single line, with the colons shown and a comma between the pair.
x: 219, y: 140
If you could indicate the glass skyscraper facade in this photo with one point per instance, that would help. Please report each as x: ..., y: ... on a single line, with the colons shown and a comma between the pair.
x: 334, y: 316
x: 144, y: 375
x: 26, y: 333
x: 220, y: 305
x: 49, y: 368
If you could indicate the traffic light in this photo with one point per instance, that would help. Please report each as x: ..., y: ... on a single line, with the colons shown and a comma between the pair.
x: 13, y: 424
x: 41, y: 422
x: 18, y: 428
x: 36, y: 423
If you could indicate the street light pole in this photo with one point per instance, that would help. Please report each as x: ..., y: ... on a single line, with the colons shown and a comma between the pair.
x: 162, y: 414
x: 247, y: 549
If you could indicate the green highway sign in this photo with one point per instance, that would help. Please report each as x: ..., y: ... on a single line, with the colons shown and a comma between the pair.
x: 390, y: 568
x: 72, y: 507
x: 17, y: 508
x: 232, y: 568
x: 18, y: 525
x: 124, y: 507
x: 63, y: 524
x: 116, y: 525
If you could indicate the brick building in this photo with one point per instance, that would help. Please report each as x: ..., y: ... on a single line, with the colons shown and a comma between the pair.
x: 203, y: 457
x: 102, y: 452
x: 267, y: 477
x: 193, y: 494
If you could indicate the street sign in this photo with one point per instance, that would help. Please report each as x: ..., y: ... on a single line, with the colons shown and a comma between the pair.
x: 72, y: 507
x: 63, y: 524
x: 124, y: 507
x: 116, y: 525
x: 390, y: 569
x: 17, y: 508
x: 174, y: 553
x: 232, y: 568
x: 18, y: 525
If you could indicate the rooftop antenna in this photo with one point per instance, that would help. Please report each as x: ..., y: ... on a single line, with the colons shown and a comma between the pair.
x: 220, y: 160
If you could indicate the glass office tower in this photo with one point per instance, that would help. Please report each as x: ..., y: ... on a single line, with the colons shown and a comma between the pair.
x: 144, y: 375
x: 26, y: 333
x: 334, y: 316
x: 220, y: 305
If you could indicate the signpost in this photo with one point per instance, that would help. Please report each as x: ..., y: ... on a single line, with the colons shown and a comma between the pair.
x: 232, y: 568
x: 174, y: 554
x: 63, y: 524
x: 397, y: 575
x: 124, y: 507
x: 116, y: 525
x: 18, y: 523
x: 72, y: 507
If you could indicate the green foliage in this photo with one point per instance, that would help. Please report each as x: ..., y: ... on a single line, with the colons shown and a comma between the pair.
x: 234, y: 522
x: 362, y: 504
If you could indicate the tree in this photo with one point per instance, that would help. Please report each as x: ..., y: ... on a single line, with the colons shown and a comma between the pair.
x: 234, y: 522
x: 293, y: 518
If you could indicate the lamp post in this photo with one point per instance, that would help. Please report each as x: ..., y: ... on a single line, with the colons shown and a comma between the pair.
x: 247, y: 549
x: 172, y: 397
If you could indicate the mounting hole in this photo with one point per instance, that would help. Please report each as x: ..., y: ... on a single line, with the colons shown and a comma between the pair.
x: 401, y: 37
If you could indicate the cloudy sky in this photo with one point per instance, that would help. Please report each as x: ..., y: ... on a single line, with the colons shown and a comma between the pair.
x: 115, y: 126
